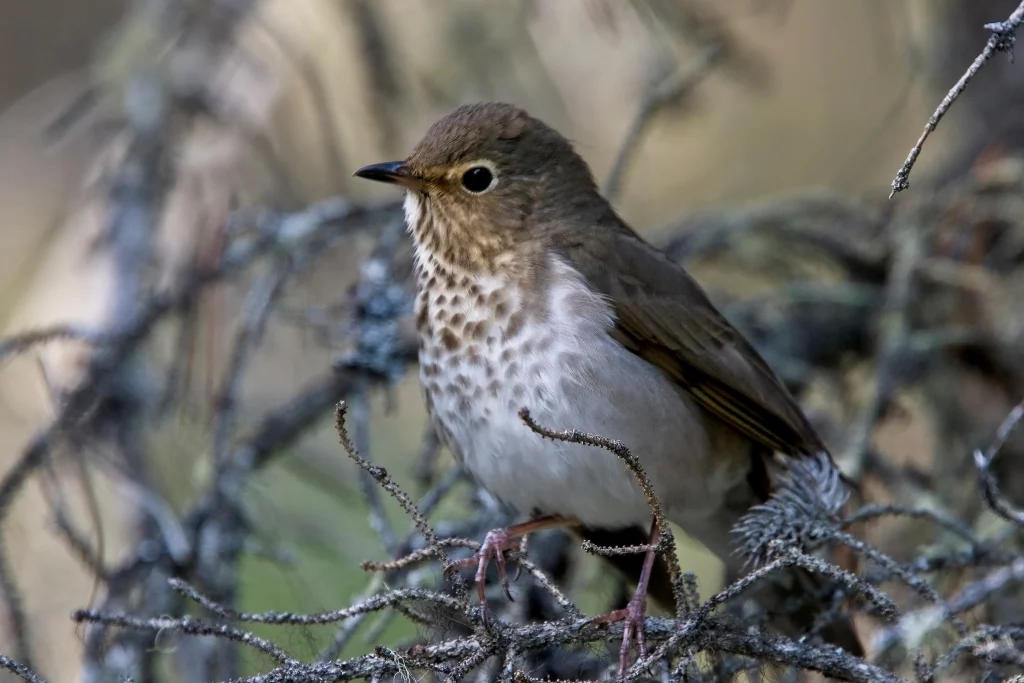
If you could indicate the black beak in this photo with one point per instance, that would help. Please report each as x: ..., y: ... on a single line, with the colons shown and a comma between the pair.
x: 389, y: 172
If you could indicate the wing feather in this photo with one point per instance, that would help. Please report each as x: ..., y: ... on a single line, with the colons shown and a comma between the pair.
x: 663, y: 316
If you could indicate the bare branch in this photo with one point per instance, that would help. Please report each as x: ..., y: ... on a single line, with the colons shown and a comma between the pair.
x: 1004, y: 34
x: 188, y: 626
x: 380, y: 475
x: 666, y: 543
x: 26, y: 341
x: 987, y: 480
x: 20, y: 670
x: 671, y: 89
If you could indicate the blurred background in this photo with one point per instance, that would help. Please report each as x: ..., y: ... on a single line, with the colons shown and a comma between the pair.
x: 775, y: 129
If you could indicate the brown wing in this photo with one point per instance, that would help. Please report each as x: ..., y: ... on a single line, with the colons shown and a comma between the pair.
x: 663, y: 316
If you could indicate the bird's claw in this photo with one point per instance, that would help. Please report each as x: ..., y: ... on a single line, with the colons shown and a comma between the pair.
x: 496, y: 543
x: 633, y: 616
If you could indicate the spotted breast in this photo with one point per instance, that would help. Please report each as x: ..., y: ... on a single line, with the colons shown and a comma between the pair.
x: 491, y: 345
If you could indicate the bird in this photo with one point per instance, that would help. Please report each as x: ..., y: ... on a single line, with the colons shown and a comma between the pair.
x: 532, y: 293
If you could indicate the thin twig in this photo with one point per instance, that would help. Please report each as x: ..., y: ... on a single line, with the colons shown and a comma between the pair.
x: 907, y: 241
x: 18, y: 622
x: 26, y: 341
x: 915, y: 628
x: 983, y: 461
x: 670, y: 89
x: 372, y: 604
x: 379, y: 523
x: 666, y: 542
x: 545, y: 582
x: 79, y: 544
x: 380, y: 475
x: 349, y: 626
x: 20, y: 670
x: 187, y: 626
x: 1003, y: 36
x: 870, y: 512
x: 918, y: 584
x: 255, y: 312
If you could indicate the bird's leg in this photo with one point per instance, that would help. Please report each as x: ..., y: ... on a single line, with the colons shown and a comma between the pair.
x: 496, y: 543
x: 634, y: 611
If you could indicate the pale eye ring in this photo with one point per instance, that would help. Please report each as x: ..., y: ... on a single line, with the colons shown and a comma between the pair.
x: 479, y: 179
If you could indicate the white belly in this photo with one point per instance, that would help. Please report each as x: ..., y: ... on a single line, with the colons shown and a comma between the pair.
x: 566, y: 370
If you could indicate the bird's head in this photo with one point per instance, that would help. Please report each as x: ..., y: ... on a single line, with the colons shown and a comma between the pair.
x: 486, y: 179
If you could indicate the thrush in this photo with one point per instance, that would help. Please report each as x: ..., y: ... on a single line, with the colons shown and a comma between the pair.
x: 533, y: 293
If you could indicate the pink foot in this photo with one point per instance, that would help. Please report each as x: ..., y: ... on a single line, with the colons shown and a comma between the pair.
x: 496, y: 543
x: 633, y: 615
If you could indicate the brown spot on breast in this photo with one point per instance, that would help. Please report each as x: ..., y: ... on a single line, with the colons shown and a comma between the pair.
x: 430, y: 370
x: 441, y: 300
x: 458, y: 319
x: 462, y: 381
x: 506, y: 356
x: 515, y: 325
x: 501, y: 309
x: 422, y: 317
x: 456, y: 300
x: 475, y: 357
x: 493, y: 388
x: 449, y: 340
x: 474, y: 290
x: 477, y: 331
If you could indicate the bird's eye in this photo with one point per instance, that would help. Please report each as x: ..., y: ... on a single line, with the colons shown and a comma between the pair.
x: 478, y: 179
